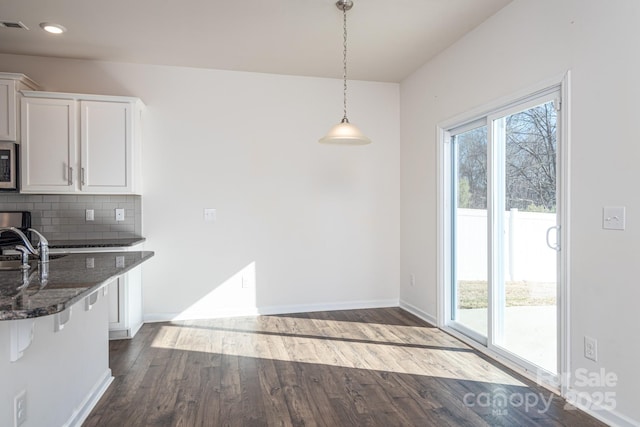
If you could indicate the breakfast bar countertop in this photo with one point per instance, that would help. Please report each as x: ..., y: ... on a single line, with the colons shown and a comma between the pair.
x: 25, y: 294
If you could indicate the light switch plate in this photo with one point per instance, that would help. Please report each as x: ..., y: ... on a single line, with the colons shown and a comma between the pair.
x: 119, y: 214
x: 613, y: 218
x: 209, y: 214
x: 89, y: 215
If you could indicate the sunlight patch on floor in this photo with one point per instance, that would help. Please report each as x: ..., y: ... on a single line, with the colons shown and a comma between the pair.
x: 359, y: 345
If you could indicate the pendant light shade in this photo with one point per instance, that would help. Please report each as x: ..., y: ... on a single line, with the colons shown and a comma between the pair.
x: 344, y: 133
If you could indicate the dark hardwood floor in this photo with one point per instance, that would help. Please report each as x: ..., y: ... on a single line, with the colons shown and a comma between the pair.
x: 380, y: 367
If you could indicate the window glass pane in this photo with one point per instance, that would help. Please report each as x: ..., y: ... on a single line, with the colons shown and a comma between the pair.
x: 531, y: 159
x: 470, y: 284
x: 527, y: 287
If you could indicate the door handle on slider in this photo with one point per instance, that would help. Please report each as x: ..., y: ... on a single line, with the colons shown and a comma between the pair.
x: 556, y: 246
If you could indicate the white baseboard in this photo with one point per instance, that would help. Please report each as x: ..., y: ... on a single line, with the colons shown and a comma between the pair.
x: 90, y: 401
x: 606, y: 415
x: 308, y: 308
x: 195, y: 315
x: 419, y: 313
x: 124, y: 334
x: 269, y: 310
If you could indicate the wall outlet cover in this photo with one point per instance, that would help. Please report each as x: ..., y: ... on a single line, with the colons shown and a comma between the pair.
x: 591, y: 348
x: 20, y: 408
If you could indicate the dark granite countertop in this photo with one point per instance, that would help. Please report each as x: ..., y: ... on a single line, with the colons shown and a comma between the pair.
x: 95, y: 243
x: 70, y: 278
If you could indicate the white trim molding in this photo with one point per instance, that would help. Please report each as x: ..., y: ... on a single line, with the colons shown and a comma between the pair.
x: 90, y: 401
x: 432, y: 320
x: 270, y: 310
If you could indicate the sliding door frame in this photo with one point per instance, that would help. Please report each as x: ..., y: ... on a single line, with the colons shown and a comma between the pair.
x: 445, y: 246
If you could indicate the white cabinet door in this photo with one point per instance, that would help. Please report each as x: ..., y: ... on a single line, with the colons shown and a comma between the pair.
x: 48, y: 149
x: 125, y: 305
x: 106, y: 149
x: 8, y: 110
x: 116, y: 310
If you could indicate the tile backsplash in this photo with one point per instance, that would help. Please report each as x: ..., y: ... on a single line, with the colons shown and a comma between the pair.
x: 63, y: 216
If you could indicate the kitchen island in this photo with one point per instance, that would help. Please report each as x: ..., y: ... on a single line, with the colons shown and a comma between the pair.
x: 25, y: 294
x: 54, y: 335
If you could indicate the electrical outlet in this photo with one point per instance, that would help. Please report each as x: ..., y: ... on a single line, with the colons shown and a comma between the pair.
x: 412, y: 280
x: 89, y: 215
x: 246, y: 282
x: 20, y: 409
x: 591, y: 348
x: 119, y: 214
x: 120, y: 261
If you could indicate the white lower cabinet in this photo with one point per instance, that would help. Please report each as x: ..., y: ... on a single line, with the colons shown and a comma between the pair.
x: 116, y: 311
x: 124, y: 295
x: 125, y: 305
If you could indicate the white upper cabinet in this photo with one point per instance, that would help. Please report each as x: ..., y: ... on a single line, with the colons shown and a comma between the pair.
x: 80, y: 144
x: 48, y: 149
x: 106, y: 137
x: 10, y: 84
x: 8, y: 110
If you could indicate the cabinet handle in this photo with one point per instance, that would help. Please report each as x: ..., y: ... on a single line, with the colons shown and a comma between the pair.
x: 82, y: 175
x: 70, y: 175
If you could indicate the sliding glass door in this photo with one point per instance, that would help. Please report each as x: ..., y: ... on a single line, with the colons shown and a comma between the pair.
x: 504, y: 232
x: 525, y: 232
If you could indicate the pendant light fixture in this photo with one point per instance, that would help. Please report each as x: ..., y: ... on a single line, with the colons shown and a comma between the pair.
x: 344, y: 133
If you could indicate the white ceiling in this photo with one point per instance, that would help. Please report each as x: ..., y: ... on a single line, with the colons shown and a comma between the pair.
x: 388, y: 39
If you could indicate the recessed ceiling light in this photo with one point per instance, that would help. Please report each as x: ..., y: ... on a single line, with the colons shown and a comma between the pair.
x: 52, y: 28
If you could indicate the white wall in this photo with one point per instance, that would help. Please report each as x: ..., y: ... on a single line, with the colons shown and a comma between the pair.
x: 309, y: 226
x: 528, y: 42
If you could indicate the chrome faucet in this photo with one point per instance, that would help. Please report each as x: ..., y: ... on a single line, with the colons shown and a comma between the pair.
x: 43, y: 246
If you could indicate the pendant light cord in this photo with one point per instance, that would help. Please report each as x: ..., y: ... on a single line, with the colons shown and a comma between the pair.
x: 344, y: 133
x: 344, y: 63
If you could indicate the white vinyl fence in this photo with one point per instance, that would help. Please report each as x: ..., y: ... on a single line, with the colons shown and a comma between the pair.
x: 527, y: 256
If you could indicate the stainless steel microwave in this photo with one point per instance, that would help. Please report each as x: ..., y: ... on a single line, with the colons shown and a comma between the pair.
x: 8, y: 166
